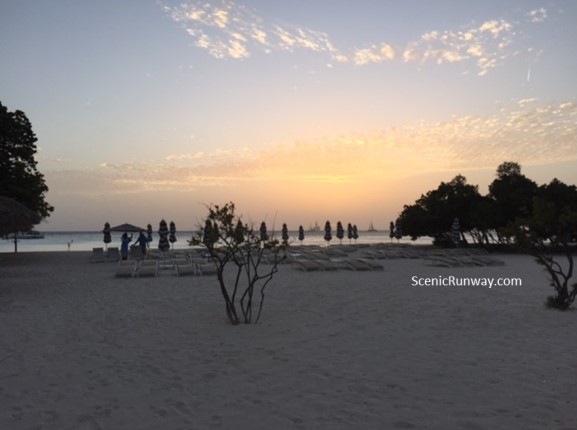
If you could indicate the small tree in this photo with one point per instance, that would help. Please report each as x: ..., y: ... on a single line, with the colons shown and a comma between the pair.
x: 232, y: 243
x: 550, y: 232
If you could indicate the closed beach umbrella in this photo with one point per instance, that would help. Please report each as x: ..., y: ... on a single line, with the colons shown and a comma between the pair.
x: 149, y: 233
x: 107, y: 236
x: 355, y: 232
x: 340, y: 232
x: 172, y: 236
x: 392, y: 230
x: 350, y: 232
x: 301, y: 234
x: 285, y: 235
x: 263, y: 232
x: 456, y: 232
x: 328, y: 235
x: 207, y: 234
x: 163, y: 244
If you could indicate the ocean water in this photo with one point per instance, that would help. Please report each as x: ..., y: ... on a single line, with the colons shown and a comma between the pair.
x: 85, y: 241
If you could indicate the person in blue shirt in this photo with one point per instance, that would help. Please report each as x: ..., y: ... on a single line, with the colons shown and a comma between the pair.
x: 125, y: 241
x: 143, y: 242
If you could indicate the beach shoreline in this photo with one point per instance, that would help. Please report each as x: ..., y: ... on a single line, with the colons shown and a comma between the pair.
x: 335, y: 349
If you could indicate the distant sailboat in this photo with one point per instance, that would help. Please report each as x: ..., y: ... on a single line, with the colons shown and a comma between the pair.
x: 314, y: 228
x: 372, y: 227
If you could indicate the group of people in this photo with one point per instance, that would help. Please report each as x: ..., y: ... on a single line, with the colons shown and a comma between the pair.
x: 125, y: 240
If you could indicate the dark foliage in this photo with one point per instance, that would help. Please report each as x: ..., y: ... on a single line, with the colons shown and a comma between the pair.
x: 19, y: 177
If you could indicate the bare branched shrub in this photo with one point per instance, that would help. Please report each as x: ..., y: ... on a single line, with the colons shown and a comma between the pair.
x: 254, y: 256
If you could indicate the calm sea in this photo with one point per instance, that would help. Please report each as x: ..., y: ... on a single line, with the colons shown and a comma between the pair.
x: 85, y: 241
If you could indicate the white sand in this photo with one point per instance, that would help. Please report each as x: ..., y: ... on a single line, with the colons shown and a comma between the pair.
x: 80, y: 349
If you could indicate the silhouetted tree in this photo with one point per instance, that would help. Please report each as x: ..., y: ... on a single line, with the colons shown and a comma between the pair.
x: 513, y: 194
x: 433, y: 213
x: 19, y: 177
x: 398, y: 230
x: 552, y: 230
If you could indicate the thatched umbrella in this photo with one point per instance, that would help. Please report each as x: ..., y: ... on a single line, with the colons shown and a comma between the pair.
x: 127, y: 228
x: 15, y: 217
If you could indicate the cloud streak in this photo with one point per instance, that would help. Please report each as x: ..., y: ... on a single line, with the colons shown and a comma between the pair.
x: 230, y: 30
x: 525, y: 131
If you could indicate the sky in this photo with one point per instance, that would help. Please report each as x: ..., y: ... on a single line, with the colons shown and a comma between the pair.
x: 297, y: 111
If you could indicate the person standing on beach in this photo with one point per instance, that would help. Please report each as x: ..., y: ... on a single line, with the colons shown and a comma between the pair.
x: 125, y: 241
x: 143, y: 242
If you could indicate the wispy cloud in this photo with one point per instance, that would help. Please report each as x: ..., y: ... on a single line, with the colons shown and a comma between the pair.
x: 486, y: 45
x: 537, y: 15
x: 526, y: 131
x: 230, y: 30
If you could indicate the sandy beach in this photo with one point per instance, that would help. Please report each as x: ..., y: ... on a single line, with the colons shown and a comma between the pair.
x: 81, y: 349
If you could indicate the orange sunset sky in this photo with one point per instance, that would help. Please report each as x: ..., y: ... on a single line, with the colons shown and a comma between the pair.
x: 298, y: 111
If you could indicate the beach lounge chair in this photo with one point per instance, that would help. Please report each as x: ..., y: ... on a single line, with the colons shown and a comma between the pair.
x: 206, y: 269
x: 126, y: 269
x: 441, y: 261
x: 488, y: 261
x: 146, y: 268
x: 97, y: 255
x: 355, y: 264
x: 185, y: 267
x: 307, y: 265
x: 327, y: 264
x: 113, y: 254
x: 371, y: 264
x: 136, y: 252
